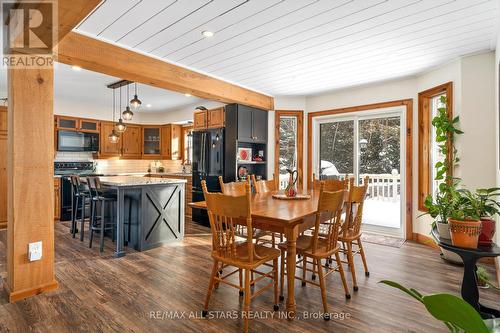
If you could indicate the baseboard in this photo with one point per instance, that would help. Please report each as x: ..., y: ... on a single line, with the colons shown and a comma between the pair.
x: 14, y: 296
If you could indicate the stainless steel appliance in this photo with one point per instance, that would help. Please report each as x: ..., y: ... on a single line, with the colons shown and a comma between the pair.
x: 73, y: 141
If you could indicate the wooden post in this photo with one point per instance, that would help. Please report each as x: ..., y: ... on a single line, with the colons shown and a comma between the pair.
x: 30, y: 183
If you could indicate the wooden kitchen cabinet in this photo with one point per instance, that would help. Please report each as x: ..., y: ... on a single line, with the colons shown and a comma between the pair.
x: 171, y: 142
x: 3, y: 167
x: 131, y: 142
x: 151, y: 142
x: 77, y: 124
x: 108, y: 149
x: 215, y: 118
x: 57, y: 198
x: 200, y: 120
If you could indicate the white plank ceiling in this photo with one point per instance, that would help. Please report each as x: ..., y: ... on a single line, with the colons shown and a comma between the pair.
x: 299, y: 47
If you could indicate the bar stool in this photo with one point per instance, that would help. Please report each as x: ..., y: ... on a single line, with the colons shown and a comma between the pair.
x: 98, y: 223
x: 80, y: 201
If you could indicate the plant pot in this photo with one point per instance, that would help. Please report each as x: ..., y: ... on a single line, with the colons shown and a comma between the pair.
x: 465, y: 233
x: 487, y: 231
x: 443, y: 230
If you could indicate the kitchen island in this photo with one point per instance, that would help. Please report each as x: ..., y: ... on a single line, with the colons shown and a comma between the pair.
x: 152, y: 209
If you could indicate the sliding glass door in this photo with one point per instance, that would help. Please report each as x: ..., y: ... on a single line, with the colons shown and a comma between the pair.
x: 366, y: 144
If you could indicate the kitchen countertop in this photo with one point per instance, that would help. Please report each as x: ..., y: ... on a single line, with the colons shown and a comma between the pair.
x: 127, y: 181
x: 176, y: 174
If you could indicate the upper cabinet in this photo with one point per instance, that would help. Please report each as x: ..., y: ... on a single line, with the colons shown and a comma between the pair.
x: 151, y: 138
x: 252, y: 124
x: 214, y: 118
x: 171, y: 138
x: 200, y: 119
x: 77, y: 124
x: 131, y: 143
x: 108, y: 149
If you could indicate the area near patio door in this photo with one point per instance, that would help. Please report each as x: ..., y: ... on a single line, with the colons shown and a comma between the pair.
x: 358, y: 145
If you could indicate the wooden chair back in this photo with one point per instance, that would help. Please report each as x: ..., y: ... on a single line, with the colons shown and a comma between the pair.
x: 233, y: 188
x: 224, y: 210
x: 354, y: 209
x: 76, y: 184
x: 330, y: 207
x: 94, y: 184
x: 264, y: 186
x: 331, y: 185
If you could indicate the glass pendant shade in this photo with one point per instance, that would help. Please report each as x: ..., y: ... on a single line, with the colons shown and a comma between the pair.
x: 120, y: 126
x: 113, y: 137
x: 135, y: 102
x: 127, y: 114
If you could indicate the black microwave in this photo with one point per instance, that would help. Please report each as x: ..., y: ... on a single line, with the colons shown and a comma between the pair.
x: 77, y: 141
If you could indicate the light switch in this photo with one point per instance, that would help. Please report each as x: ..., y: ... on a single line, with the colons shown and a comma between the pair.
x: 35, y: 251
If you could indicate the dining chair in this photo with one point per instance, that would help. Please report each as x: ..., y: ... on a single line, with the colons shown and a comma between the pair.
x: 351, y: 230
x: 320, y: 246
x: 331, y: 185
x: 225, y: 212
x: 264, y: 186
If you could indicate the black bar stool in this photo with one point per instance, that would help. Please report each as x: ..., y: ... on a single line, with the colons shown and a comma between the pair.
x: 80, y: 201
x: 98, y: 223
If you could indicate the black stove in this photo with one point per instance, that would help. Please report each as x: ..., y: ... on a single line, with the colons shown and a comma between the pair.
x: 65, y: 170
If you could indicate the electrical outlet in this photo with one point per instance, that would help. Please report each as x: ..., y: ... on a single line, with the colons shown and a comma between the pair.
x: 35, y: 251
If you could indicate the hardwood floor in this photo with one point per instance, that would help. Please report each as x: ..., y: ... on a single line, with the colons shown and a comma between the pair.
x: 99, y: 293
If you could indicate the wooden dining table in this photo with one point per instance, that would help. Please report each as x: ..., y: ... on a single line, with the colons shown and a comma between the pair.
x: 290, y: 217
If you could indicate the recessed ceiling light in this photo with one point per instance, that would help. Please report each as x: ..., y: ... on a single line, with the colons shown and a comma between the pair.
x: 148, y: 105
x: 207, y: 33
x: 187, y: 95
x: 76, y: 68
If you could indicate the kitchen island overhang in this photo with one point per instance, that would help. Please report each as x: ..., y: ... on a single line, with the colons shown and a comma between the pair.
x: 151, y: 208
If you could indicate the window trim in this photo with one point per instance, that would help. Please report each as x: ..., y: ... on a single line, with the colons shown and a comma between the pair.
x: 300, y: 141
x: 424, y: 137
x: 184, y: 132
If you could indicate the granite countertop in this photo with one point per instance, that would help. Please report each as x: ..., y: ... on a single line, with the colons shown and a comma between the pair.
x: 138, y: 181
x: 162, y: 174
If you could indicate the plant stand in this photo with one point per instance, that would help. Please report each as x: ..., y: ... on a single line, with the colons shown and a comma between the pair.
x: 470, y: 292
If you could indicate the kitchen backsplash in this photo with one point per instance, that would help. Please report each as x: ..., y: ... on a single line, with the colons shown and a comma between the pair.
x: 111, y: 166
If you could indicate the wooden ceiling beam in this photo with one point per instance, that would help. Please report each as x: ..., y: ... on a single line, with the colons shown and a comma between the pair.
x: 109, y: 59
x: 71, y: 13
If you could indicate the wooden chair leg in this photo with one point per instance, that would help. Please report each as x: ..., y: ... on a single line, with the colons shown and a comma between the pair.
x: 211, y: 284
x: 362, y: 253
x: 273, y: 239
x: 304, y: 270
x: 246, y: 306
x: 240, y: 273
x: 350, y: 259
x: 276, y: 291
x: 313, y: 276
x: 282, y: 275
x: 342, y: 276
x: 326, y: 316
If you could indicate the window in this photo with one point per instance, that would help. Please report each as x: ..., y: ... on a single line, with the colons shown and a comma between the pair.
x: 288, y: 149
x: 187, y: 144
x: 428, y: 152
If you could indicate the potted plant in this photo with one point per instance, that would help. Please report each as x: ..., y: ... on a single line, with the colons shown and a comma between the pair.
x: 440, y: 206
x: 465, y: 219
x: 489, y: 207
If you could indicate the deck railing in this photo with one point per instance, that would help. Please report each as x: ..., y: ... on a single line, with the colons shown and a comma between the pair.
x: 384, y: 187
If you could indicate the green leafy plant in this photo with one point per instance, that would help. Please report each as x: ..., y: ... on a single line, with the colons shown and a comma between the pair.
x: 454, y: 312
x: 441, y: 206
x: 488, y: 206
x: 485, y: 277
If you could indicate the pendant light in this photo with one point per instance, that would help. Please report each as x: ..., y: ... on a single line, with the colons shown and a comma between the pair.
x: 135, y: 102
x: 120, y: 126
x: 128, y: 114
x: 113, y: 137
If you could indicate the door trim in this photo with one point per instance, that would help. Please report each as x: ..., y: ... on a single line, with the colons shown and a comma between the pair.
x: 300, y: 141
x: 408, y: 104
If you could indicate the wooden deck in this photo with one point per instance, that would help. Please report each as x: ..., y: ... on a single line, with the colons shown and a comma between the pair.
x: 137, y: 292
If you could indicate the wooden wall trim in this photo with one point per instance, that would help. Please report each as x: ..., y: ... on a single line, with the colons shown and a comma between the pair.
x: 408, y: 104
x: 102, y: 57
x: 424, y: 138
x: 497, y: 266
x: 300, y: 141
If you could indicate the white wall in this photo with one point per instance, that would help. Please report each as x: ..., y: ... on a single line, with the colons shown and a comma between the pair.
x: 473, y: 101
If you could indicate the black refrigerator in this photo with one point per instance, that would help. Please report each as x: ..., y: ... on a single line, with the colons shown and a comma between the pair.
x: 208, y: 165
